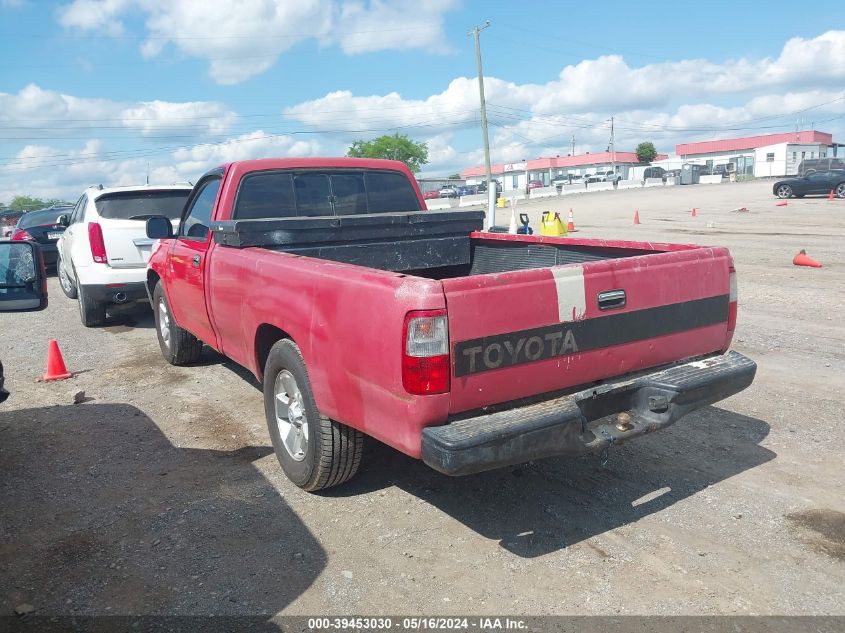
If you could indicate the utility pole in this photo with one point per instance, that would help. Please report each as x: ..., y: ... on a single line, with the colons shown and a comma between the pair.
x: 573, y: 145
x: 491, y: 190
x: 612, y: 148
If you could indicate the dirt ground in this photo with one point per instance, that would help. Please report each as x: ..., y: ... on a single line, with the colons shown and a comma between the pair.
x: 160, y: 494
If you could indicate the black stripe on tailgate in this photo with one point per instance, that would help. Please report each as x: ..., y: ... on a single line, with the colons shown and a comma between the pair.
x: 525, y: 346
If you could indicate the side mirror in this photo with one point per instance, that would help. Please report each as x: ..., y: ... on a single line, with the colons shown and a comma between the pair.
x: 63, y: 220
x: 23, y: 279
x: 159, y: 228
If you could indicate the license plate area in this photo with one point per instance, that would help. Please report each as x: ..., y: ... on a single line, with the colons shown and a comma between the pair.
x: 54, y: 235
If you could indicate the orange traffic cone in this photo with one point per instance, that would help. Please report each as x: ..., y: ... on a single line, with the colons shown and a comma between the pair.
x: 56, y: 369
x: 637, y: 216
x: 781, y: 204
x: 570, y: 225
x: 830, y: 195
x: 694, y: 214
x: 801, y: 259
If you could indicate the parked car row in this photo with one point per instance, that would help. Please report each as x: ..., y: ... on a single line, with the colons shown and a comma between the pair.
x: 458, y: 191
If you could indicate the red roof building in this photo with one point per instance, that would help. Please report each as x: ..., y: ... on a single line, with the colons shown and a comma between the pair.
x: 804, y: 137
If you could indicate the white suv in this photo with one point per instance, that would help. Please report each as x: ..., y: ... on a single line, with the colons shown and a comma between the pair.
x: 104, y: 250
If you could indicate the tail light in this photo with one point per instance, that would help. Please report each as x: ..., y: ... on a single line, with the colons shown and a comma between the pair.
x: 732, y: 305
x: 98, y: 246
x: 425, y: 356
x: 20, y: 235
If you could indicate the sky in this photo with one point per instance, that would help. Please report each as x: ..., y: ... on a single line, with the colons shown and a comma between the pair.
x: 103, y: 91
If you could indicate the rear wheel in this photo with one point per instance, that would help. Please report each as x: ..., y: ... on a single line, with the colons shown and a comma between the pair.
x: 784, y: 191
x: 178, y: 346
x: 91, y: 312
x: 67, y: 286
x: 314, y: 451
x: 840, y: 190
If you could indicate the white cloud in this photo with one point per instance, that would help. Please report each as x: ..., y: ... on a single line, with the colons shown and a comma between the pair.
x: 35, y: 112
x: 255, y: 144
x: 94, y: 15
x: 54, y: 172
x: 247, y: 41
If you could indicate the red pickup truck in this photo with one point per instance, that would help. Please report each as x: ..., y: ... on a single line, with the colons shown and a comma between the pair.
x: 363, y: 313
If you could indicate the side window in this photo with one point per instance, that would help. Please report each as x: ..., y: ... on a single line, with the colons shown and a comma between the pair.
x: 390, y: 192
x: 78, y: 210
x: 313, y: 195
x: 195, y: 224
x: 348, y: 193
x: 265, y: 195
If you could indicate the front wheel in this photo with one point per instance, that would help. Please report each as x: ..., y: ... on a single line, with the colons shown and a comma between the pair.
x: 784, y: 191
x: 314, y: 451
x: 67, y: 286
x: 840, y: 190
x: 178, y: 346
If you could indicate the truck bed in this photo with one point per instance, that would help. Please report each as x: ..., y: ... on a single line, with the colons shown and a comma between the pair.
x: 527, y: 314
x: 434, y: 245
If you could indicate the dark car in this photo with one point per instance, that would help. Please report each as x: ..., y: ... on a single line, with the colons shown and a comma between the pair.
x: 43, y: 227
x: 654, y: 172
x: 815, y: 183
x: 809, y: 165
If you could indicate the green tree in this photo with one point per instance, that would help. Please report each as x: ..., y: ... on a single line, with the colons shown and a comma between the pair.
x: 27, y: 203
x: 646, y: 152
x: 393, y: 147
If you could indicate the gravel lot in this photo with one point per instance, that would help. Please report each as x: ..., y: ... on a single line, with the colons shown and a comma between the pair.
x: 160, y: 493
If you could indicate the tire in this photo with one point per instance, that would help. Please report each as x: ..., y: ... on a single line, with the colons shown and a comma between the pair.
x: 783, y: 192
x: 67, y: 286
x: 316, y: 452
x: 178, y: 346
x: 91, y: 312
x: 840, y: 190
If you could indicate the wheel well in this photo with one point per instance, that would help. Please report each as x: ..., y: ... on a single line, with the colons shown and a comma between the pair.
x: 265, y: 337
x: 152, y: 280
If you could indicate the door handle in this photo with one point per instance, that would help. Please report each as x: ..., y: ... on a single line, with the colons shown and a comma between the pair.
x: 195, y: 262
x: 611, y: 299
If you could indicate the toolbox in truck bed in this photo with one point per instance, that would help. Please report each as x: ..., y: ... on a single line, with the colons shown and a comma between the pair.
x: 388, y: 241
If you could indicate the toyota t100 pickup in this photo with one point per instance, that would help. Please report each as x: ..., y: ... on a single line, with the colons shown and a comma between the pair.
x: 364, y: 314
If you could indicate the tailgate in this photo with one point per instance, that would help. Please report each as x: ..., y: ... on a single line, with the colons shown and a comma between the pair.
x: 529, y: 332
x: 127, y: 244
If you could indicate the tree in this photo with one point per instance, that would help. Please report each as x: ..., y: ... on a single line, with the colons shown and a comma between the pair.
x: 27, y: 203
x: 393, y: 147
x: 646, y: 152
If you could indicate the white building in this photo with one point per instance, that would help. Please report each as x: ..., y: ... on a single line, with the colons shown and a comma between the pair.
x: 761, y: 156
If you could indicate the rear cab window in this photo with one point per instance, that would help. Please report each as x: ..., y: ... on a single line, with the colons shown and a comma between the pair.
x: 303, y: 193
x: 139, y: 205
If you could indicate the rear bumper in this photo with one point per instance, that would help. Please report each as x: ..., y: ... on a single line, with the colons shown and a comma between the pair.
x: 117, y: 293
x: 586, y: 421
x: 50, y: 252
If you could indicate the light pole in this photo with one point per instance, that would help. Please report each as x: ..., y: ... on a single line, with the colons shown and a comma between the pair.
x: 491, y: 190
